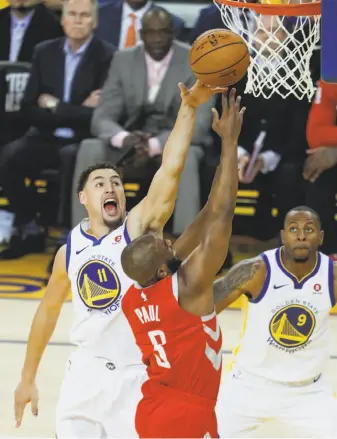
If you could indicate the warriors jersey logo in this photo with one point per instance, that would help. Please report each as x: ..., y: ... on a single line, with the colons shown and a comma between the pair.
x: 98, y: 285
x: 292, y: 326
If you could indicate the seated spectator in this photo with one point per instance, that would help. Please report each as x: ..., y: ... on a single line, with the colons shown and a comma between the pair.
x: 119, y: 22
x: 138, y: 108
x: 64, y: 87
x: 210, y: 18
x: 23, y: 24
x: 320, y: 168
x: 277, y: 126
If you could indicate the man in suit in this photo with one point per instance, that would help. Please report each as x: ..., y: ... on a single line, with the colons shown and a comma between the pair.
x: 119, y: 22
x: 138, y: 108
x: 24, y: 24
x: 64, y: 86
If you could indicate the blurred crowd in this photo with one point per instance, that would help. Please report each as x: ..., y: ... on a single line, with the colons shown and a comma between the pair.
x: 83, y: 82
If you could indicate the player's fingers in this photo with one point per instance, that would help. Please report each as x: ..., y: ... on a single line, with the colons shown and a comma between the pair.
x: 315, y: 175
x: 232, y: 98
x: 224, y: 102
x: 183, y: 89
x: 35, y: 405
x: 18, y: 410
x: 237, y: 104
x: 215, y: 116
x: 216, y: 90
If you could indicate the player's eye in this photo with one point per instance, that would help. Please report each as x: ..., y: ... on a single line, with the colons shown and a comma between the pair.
x: 293, y: 229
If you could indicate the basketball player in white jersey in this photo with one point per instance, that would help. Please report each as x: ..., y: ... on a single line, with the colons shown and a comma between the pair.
x: 102, y: 384
x: 278, y: 369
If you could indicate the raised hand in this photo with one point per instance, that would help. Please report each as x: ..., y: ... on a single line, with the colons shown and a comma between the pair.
x: 228, y: 126
x: 198, y: 94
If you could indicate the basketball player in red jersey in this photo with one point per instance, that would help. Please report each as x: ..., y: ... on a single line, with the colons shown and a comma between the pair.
x: 171, y: 309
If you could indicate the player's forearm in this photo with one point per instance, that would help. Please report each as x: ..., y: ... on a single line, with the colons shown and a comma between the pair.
x: 236, y: 277
x: 41, y: 331
x: 176, y: 147
x: 223, y: 195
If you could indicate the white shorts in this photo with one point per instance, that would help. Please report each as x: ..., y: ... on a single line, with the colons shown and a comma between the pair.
x: 246, y: 402
x: 98, y: 399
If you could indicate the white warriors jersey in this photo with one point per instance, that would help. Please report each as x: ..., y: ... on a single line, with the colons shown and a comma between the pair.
x: 98, y: 284
x: 286, y: 334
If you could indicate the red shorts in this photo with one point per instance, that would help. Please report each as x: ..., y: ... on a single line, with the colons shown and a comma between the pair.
x: 167, y: 413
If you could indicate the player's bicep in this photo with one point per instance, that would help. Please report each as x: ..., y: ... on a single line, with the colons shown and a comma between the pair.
x: 58, y: 286
x: 156, y: 208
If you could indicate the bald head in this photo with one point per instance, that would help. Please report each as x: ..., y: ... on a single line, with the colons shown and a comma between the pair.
x: 148, y: 259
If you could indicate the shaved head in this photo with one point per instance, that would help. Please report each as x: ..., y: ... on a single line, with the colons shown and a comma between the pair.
x: 139, y: 258
x: 148, y: 259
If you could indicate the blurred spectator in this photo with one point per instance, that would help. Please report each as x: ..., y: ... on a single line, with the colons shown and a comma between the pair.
x: 64, y: 87
x: 320, y: 168
x: 120, y: 22
x: 24, y: 24
x: 277, y: 126
x: 210, y: 18
x: 138, y: 108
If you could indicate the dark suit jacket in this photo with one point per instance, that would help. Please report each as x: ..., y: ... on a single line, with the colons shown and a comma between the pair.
x: 209, y: 18
x: 47, y: 76
x: 284, y: 121
x: 110, y: 22
x: 43, y: 26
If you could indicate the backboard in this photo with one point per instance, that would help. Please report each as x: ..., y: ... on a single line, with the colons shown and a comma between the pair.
x: 329, y: 41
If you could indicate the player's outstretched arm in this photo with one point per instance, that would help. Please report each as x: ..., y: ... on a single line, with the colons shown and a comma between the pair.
x: 246, y: 277
x: 156, y: 208
x: 198, y: 272
x: 41, y: 331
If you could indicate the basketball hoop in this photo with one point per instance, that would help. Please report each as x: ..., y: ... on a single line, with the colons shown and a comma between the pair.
x: 281, y: 36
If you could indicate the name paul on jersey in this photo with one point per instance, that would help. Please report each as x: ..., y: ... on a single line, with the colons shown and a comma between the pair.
x: 98, y: 284
x: 291, y: 325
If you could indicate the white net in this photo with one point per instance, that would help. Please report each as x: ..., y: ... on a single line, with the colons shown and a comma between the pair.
x: 280, y: 47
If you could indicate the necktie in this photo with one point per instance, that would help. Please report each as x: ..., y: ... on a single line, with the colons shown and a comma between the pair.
x: 131, y: 38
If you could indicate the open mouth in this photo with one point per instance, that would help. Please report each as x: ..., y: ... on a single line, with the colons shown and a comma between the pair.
x: 110, y: 206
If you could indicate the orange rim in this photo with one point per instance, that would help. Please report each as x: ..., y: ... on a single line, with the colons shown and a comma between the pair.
x: 299, y: 10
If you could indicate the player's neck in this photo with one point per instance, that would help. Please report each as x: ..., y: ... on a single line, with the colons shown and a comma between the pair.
x: 298, y: 269
x: 98, y: 230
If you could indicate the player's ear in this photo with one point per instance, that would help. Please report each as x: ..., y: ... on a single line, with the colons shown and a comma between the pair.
x: 82, y: 197
x: 282, y: 236
x: 321, y: 237
x: 162, y: 272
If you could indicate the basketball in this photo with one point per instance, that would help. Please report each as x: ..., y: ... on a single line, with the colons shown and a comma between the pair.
x: 219, y: 57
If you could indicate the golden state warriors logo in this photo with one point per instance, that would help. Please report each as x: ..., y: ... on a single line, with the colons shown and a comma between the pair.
x: 292, y: 326
x: 98, y: 285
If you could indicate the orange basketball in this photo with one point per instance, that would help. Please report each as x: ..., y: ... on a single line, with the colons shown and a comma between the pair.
x: 219, y: 57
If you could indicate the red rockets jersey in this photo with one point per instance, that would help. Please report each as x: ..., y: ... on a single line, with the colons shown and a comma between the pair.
x: 180, y: 349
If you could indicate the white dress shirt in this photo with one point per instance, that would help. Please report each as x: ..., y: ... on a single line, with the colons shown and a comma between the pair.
x: 126, y: 21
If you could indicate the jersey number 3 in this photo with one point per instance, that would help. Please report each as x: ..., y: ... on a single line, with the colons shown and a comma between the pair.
x: 158, y: 339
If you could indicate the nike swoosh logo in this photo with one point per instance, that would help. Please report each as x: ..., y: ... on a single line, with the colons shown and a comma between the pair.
x: 317, y: 378
x: 276, y: 287
x: 79, y: 251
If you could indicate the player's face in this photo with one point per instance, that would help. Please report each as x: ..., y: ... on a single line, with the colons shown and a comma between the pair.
x: 301, y: 236
x: 104, y: 197
x: 157, y: 36
x: 166, y: 256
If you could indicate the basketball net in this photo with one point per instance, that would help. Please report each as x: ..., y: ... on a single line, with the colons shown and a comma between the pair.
x: 281, y: 38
